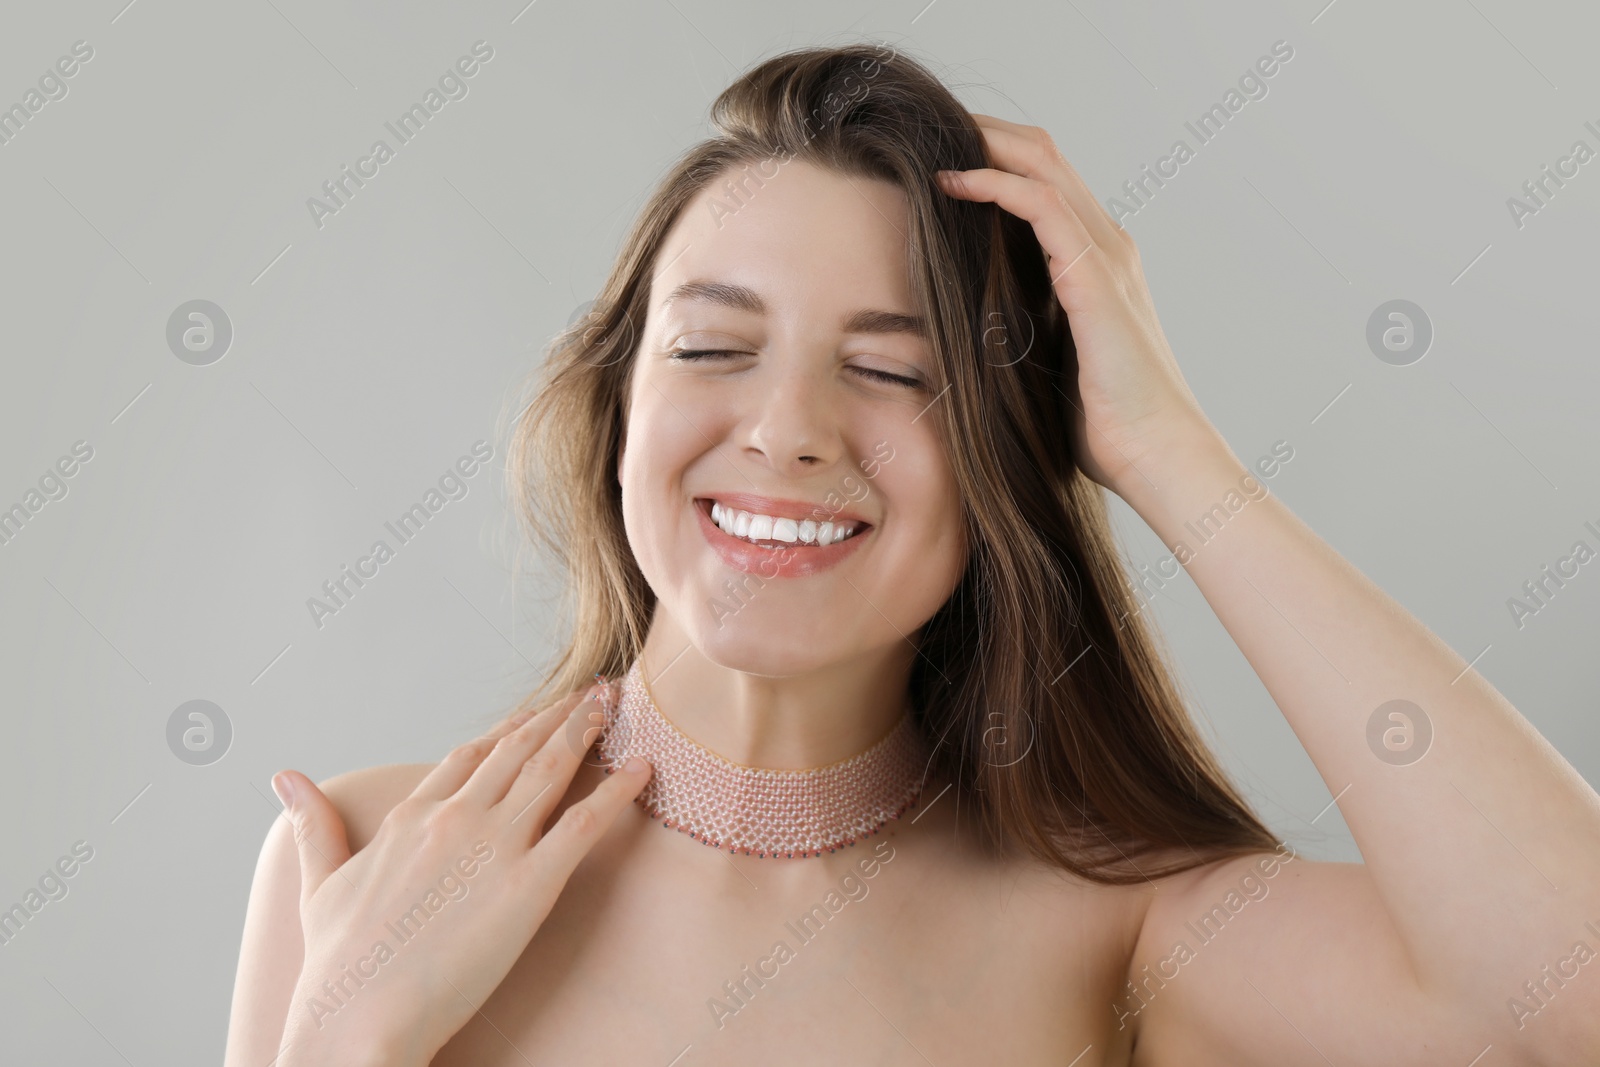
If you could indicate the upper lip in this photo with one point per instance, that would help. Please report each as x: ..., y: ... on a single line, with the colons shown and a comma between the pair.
x: 780, y: 508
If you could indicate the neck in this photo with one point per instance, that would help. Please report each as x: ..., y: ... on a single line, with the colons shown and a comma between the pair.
x: 788, y: 721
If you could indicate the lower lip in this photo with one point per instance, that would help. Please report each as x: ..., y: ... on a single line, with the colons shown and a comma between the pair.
x: 794, y: 560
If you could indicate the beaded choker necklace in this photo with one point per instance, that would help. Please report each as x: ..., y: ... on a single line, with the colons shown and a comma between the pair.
x: 760, y: 811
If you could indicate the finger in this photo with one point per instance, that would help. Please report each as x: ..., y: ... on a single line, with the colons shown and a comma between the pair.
x: 319, y: 834
x: 557, y: 853
x: 513, y: 720
x: 1077, y: 263
x: 451, y: 773
x: 542, y: 750
x: 1017, y: 148
x: 535, y: 787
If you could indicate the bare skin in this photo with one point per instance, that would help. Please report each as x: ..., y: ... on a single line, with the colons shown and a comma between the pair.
x: 1482, y: 860
x: 940, y: 953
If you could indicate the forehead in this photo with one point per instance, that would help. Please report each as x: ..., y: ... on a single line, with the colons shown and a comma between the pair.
x: 799, y: 234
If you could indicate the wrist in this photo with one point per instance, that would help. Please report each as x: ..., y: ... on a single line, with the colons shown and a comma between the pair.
x: 317, y: 1050
x: 1177, y: 458
x: 1195, y: 478
x: 350, y: 1041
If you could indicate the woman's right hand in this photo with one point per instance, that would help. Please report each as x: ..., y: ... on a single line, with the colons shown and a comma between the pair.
x: 407, y: 938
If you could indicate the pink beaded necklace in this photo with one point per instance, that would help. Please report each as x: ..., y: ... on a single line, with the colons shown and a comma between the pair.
x: 760, y: 811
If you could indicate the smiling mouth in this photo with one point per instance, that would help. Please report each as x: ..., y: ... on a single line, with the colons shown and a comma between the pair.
x: 768, y: 531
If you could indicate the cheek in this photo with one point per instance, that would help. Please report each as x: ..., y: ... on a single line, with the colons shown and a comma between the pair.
x: 659, y: 439
x: 920, y: 490
x: 662, y: 447
x: 644, y: 475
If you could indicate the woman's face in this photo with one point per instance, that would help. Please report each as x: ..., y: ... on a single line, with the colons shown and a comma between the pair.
x: 801, y: 284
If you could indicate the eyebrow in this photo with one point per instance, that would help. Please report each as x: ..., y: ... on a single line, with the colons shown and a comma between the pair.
x: 742, y: 298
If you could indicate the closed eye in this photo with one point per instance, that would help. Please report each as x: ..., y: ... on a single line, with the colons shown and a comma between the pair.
x: 870, y: 372
x: 697, y: 353
x: 885, y: 376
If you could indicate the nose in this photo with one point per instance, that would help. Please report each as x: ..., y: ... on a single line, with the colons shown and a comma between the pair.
x: 794, y: 426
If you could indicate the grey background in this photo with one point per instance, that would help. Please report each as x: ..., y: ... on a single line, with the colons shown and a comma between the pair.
x: 371, y: 353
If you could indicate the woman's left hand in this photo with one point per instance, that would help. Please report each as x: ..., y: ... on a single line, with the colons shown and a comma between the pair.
x: 1132, y: 403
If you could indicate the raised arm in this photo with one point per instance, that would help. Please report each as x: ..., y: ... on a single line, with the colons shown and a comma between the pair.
x: 1481, y: 882
x: 1478, y: 905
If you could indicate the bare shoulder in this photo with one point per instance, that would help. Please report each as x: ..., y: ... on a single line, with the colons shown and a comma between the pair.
x: 1272, y: 957
x: 364, y: 797
x: 272, y: 948
x: 1230, y: 882
x: 1125, y: 913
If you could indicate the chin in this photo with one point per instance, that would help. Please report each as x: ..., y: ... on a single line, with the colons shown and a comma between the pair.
x: 748, y: 642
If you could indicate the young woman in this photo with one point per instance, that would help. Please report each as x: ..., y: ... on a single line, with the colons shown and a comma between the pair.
x: 827, y: 468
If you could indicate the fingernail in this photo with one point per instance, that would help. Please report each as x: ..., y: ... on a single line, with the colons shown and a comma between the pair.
x: 634, y: 765
x: 283, y: 785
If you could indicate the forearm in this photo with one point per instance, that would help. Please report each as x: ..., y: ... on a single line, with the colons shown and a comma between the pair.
x: 1486, y: 850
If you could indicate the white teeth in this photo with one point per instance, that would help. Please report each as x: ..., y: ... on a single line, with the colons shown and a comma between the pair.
x: 755, y: 527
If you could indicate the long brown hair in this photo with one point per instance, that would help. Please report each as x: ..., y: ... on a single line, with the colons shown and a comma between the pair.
x: 1044, y: 691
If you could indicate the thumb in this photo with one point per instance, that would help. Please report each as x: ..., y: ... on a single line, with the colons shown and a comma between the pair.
x: 318, y: 831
